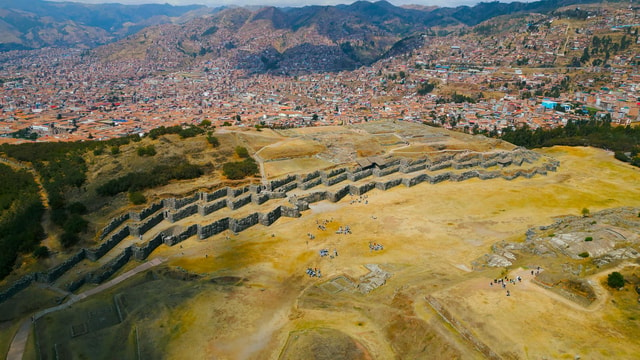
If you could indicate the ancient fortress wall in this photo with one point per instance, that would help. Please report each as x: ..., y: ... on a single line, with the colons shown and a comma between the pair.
x: 409, y: 173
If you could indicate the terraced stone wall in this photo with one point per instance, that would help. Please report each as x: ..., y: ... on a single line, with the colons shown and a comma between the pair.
x: 113, y: 224
x: 115, y: 239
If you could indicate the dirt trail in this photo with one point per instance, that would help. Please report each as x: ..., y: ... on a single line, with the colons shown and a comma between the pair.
x: 36, y: 176
x: 16, y: 350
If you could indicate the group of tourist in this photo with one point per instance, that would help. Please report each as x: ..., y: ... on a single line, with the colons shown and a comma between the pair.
x: 359, y: 200
x: 314, y: 272
x: 503, y: 282
x: 344, y: 230
x: 375, y: 246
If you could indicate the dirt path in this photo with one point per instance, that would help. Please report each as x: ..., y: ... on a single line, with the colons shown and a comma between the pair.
x: 20, y: 166
x: 19, y: 342
x: 602, y: 295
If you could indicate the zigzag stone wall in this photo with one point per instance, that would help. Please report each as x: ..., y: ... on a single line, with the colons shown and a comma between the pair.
x: 114, y: 223
x: 147, y: 225
x: 182, y: 213
x: 177, y: 209
x: 97, y: 253
x: 146, y: 212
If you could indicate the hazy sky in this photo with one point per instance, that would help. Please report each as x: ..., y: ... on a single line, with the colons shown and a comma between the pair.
x: 215, y: 3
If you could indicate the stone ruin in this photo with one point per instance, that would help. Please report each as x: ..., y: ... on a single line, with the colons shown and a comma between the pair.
x: 386, y: 174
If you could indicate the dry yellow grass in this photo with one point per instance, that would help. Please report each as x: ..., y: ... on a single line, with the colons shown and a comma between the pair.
x: 293, y: 148
x: 431, y: 234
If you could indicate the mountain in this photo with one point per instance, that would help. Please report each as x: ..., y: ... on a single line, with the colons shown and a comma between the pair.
x: 36, y: 23
x: 285, y: 40
x: 305, y: 39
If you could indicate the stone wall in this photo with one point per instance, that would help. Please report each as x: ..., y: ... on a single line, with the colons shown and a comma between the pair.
x: 290, y: 212
x: 182, y: 213
x: 338, y: 195
x: 275, y: 184
x: 386, y: 185
x: 214, y: 228
x: 270, y: 217
x: 238, y: 225
x: 17, y: 286
x: 182, y: 236
x: 358, y: 175
x: 440, y: 166
x: 308, y: 177
x: 96, y: 253
x: 235, y: 192
x: 141, y: 229
x: 439, y: 178
x: 114, y: 223
x: 218, y: 194
x: 314, y: 197
x: 310, y: 184
x: 142, y: 252
x: 386, y: 171
x: 361, y: 189
x: 276, y: 189
x: 413, y: 168
x: 413, y: 181
x: 465, y: 175
x: 111, y: 267
x: 63, y: 267
x: 260, y: 198
x: 146, y: 212
x: 334, y: 180
x: 331, y: 173
x: 209, y: 208
x: 238, y: 203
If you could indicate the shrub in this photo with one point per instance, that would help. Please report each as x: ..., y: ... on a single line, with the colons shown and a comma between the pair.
x: 585, y: 212
x: 242, y: 152
x: 115, y: 150
x: 584, y: 254
x: 41, y: 252
x: 588, y: 238
x: 213, y: 141
x: 147, y: 150
x: 137, y: 198
x: 77, y: 208
x: 240, y: 169
x: 68, y: 239
x: 75, y: 224
x: 615, y: 280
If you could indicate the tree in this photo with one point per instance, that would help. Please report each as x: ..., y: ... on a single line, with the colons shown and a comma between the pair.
x: 615, y: 280
x: 585, y: 212
x: 242, y: 152
x: 213, y: 141
x: 41, y: 252
x: 585, y: 55
x: 137, y: 198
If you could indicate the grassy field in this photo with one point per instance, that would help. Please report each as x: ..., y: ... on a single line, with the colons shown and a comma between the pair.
x: 248, y: 297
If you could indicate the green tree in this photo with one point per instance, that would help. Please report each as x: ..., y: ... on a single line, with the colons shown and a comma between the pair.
x: 242, y: 152
x: 137, y: 198
x: 615, y: 280
x: 585, y: 212
x: 41, y: 252
x: 213, y: 141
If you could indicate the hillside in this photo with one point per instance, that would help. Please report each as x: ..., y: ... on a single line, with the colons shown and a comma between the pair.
x: 269, y: 39
x: 38, y: 23
x: 422, y: 207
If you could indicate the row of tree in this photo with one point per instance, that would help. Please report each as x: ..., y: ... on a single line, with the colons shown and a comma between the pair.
x: 20, y: 213
x: 624, y: 140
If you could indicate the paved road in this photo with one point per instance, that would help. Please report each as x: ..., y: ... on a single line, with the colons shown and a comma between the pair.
x: 16, y: 350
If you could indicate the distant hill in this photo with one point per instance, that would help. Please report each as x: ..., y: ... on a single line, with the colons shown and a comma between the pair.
x: 301, y: 39
x: 36, y: 23
x: 306, y: 39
